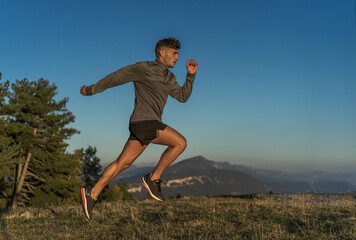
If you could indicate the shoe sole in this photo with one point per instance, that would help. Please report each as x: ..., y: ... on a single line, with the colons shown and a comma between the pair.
x: 84, y: 202
x: 148, y: 189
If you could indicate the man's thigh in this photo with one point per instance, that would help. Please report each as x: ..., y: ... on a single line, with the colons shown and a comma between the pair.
x: 132, y: 150
x: 169, y: 137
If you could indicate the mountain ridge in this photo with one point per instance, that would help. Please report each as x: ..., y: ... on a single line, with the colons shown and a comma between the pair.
x: 272, y: 180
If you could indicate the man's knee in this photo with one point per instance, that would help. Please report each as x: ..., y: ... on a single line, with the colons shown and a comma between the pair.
x: 182, y: 143
x: 123, y: 164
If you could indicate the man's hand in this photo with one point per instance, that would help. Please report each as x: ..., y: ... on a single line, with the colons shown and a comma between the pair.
x: 192, y: 66
x: 83, y: 90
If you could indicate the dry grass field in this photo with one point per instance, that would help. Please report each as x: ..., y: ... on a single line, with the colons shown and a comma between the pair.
x: 276, y: 216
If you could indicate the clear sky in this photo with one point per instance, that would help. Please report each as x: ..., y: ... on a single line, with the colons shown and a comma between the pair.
x: 275, y: 87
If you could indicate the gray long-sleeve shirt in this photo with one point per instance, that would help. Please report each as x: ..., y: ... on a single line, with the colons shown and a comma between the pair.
x: 153, y: 83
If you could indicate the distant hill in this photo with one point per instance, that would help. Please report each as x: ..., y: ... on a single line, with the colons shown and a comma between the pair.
x: 198, y: 176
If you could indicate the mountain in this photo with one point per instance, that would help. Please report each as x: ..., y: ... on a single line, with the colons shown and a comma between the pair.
x: 333, y: 187
x: 292, y: 187
x: 197, y: 177
x: 133, y: 172
x: 300, y: 182
x: 184, y: 176
x: 305, y: 182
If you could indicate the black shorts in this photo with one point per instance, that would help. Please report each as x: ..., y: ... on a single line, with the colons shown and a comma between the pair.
x: 145, y: 131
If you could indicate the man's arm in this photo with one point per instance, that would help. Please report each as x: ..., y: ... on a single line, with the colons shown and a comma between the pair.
x: 183, y: 93
x: 119, y: 77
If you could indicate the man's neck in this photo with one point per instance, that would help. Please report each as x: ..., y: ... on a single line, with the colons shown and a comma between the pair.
x: 160, y: 62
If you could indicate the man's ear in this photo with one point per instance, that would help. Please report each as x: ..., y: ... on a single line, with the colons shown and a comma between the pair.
x: 162, y: 52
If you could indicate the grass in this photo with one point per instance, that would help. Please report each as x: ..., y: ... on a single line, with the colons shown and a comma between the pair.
x: 277, y: 216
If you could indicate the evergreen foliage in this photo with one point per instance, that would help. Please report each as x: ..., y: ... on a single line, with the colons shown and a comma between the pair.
x: 8, y: 151
x: 91, y: 166
x: 113, y: 193
x: 36, y: 123
x: 34, y: 166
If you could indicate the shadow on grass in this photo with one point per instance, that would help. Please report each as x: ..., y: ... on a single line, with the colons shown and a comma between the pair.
x: 3, y: 232
x: 243, y: 196
x: 51, y: 210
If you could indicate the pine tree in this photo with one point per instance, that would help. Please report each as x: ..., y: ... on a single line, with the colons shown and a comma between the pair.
x: 8, y: 151
x: 62, y: 181
x: 45, y: 173
x: 91, y: 166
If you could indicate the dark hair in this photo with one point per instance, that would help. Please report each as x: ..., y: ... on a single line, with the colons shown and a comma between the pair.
x: 167, y: 42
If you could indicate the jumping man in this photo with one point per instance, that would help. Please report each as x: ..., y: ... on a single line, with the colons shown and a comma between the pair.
x: 153, y: 82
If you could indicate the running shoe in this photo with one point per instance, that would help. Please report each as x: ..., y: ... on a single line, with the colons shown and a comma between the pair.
x: 88, y: 201
x: 153, y: 187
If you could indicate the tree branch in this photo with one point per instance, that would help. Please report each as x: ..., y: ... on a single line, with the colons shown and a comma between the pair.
x: 35, y: 176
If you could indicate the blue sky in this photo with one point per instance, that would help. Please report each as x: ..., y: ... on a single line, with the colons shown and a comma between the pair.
x: 275, y: 87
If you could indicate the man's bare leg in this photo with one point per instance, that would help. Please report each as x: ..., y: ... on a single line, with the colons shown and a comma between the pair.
x: 129, y: 154
x: 176, y: 144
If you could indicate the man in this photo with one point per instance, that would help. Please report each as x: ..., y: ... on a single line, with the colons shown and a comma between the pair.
x: 153, y: 82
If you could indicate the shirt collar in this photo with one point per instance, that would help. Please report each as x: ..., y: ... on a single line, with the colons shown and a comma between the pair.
x: 161, y: 65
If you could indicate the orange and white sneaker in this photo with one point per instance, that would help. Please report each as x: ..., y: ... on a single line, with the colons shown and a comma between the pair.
x: 87, y: 201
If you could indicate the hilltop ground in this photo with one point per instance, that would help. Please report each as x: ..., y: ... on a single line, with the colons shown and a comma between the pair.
x: 277, y: 216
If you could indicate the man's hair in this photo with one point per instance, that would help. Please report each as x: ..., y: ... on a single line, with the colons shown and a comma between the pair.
x: 167, y: 42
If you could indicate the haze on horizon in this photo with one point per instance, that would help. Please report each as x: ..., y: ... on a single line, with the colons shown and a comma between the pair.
x: 275, y: 88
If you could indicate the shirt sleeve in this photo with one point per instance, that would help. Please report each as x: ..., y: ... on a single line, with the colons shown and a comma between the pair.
x: 119, y: 77
x: 182, y: 94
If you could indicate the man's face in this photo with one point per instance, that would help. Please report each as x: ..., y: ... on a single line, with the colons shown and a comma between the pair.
x: 169, y: 57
